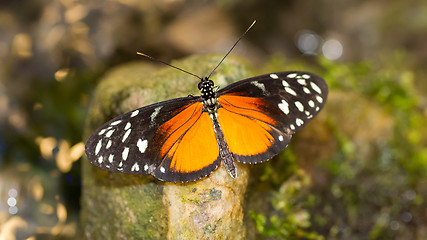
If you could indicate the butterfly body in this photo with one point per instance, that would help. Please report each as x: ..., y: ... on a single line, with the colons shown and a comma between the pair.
x: 185, y: 139
x: 211, y: 105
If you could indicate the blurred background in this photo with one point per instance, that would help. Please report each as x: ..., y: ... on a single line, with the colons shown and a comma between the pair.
x: 359, y: 172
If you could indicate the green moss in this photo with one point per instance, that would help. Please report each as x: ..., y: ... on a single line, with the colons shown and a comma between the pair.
x: 291, y: 218
x: 368, y: 170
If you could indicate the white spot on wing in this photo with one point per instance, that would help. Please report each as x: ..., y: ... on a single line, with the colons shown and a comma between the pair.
x: 110, y: 158
x: 154, y: 114
x: 115, y: 122
x: 274, y: 76
x: 109, y: 133
x: 284, y: 106
x: 102, y: 131
x: 100, y: 159
x: 134, y: 113
x: 292, y: 75
x: 306, y: 90
x: 126, y: 135
x: 306, y: 76
x: 315, y: 87
x: 311, y: 103
x: 285, y: 84
x: 292, y: 127
x: 135, y: 167
x: 142, y: 145
x: 290, y: 91
x: 162, y: 169
x: 319, y: 99
x: 109, y: 144
x: 299, y: 122
x: 281, y: 138
x: 145, y: 167
x: 260, y: 86
x: 299, y: 106
x: 301, y: 81
x: 125, y: 153
x: 98, y: 147
x: 128, y: 125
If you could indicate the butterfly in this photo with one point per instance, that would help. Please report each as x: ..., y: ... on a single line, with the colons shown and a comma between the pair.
x: 185, y: 139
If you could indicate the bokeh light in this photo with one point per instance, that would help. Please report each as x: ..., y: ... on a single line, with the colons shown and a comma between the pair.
x: 332, y: 49
x: 308, y: 42
x: 11, y: 201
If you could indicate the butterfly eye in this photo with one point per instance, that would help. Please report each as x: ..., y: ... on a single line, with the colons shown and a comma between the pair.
x: 200, y: 85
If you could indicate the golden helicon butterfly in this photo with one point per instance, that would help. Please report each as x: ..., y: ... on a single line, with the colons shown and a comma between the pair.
x: 185, y: 139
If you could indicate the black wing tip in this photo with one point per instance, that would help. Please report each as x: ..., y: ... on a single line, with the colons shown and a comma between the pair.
x: 164, y: 174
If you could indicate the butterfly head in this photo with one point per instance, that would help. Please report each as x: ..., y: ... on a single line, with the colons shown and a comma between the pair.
x: 205, y: 83
x: 206, y: 88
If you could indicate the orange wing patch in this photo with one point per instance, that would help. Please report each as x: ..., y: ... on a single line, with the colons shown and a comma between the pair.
x: 190, y: 144
x: 245, y: 127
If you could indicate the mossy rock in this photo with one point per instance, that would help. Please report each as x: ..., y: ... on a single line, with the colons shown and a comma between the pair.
x: 123, y: 206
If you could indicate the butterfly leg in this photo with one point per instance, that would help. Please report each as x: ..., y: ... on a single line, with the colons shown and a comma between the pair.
x: 224, y: 150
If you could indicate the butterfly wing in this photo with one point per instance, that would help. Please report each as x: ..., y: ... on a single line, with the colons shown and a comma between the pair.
x: 162, y: 139
x: 259, y: 115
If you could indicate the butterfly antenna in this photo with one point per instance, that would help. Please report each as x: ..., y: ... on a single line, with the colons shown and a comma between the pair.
x: 238, y: 40
x: 170, y: 65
